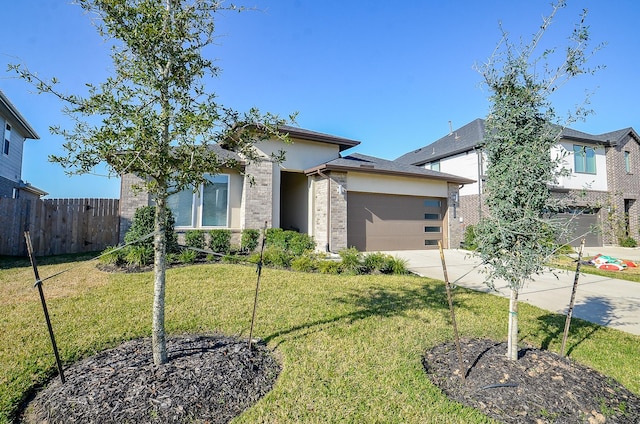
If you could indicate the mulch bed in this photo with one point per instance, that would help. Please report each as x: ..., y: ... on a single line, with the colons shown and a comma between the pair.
x: 208, y: 379
x: 540, y: 387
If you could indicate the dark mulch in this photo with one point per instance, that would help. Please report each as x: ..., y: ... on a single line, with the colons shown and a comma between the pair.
x: 208, y: 379
x: 540, y: 387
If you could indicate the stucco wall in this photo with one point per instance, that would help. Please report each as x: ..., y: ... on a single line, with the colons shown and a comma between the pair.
x: 385, y: 184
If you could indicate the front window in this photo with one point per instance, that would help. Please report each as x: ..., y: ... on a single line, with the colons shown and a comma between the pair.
x: 584, y: 159
x: 7, y: 138
x: 207, y: 207
x: 627, y: 162
x: 435, y: 166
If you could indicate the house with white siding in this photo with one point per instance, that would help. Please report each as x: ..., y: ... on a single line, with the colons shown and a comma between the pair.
x: 14, y: 130
x: 601, y: 190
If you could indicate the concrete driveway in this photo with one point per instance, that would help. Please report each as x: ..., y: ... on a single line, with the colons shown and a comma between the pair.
x: 605, y: 301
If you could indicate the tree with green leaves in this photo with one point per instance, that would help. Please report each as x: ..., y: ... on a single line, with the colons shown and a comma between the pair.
x: 517, y: 236
x: 155, y: 117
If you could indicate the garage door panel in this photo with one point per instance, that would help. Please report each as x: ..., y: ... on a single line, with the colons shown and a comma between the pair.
x: 582, y: 224
x: 393, y: 222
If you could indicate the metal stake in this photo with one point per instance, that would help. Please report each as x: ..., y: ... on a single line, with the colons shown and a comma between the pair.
x: 38, y: 284
x: 259, y: 271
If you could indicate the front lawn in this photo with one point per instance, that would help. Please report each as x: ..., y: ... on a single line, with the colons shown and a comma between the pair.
x: 350, y: 346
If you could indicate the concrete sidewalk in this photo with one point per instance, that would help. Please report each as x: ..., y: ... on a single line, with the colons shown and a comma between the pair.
x: 605, y: 301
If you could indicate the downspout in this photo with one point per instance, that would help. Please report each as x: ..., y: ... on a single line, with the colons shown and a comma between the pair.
x: 328, y: 245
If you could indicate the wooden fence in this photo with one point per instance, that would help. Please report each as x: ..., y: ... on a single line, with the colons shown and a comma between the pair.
x: 58, y: 226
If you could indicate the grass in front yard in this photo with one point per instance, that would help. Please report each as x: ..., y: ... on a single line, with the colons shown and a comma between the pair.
x: 350, y: 346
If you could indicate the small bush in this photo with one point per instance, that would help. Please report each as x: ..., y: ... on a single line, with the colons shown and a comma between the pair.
x: 628, y: 242
x: 374, y: 262
x: 188, y: 256
x: 469, y: 238
x: 304, y: 263
x: 276, y: 237
x: 194, y: 238
x: 276, y: 257
x: 299, y: 243
x: 144, y: 223
x: 112, y: 255
x: 220, y: 241
x: 138, y: 255
x: 329, y: 267
x: 231, y: 259
x: 395, y: 265
x: 351, y: 261
x: 249, y: 240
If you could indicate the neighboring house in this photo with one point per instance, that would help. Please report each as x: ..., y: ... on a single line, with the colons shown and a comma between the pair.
x: 14, y: 130
x: 601, y: 192
x: 352, y: 201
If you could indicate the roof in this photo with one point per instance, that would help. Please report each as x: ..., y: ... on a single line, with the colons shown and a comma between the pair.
x: 461, y: 140
x: 470, y: 136
x: 369, y: 164
x: 300, y: 133
x: 8, y: 110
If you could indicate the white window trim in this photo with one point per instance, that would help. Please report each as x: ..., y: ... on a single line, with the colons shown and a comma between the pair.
x: 197, y: 208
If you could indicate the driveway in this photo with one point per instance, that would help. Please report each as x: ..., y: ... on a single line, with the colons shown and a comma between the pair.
x: 605, y: 301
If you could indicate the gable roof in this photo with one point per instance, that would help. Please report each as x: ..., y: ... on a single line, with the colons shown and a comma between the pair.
x: 471, y: 136
x: 300, y: 133
x: 461, y: 140
x: 370, y: 164
x: 8, y: 110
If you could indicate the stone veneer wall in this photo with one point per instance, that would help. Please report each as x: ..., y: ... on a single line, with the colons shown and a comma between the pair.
x: 257, y: 206
x: 337, y: 211
x: 455, y: 227
x: 130, y: 200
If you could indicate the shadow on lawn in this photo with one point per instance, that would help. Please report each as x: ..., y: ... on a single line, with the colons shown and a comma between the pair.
x: 382, y: 302
x: 594, y: 313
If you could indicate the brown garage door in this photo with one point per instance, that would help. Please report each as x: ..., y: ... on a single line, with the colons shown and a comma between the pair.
x: 378, y: 222
x: 582, y: 223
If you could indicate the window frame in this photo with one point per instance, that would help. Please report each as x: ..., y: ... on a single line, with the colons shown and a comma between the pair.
x: 627, y: 161
x: 581, y: 159
x: 197, y: 205
x: 6, y: 137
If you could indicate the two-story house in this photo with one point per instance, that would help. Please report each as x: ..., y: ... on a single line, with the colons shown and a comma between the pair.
x: 601, y: 190
x: 342, y: 201
x: 14, y: 130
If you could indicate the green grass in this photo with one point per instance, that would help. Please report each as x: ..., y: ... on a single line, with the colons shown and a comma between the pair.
x: 350, y: 346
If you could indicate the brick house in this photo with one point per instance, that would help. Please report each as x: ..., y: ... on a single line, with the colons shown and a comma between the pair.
x: 342, y: 201
x: 14, y: 129
x: 601, y: 192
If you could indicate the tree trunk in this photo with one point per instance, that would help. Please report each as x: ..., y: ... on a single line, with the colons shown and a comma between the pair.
x: 512, y: 341
x: 159, y: 345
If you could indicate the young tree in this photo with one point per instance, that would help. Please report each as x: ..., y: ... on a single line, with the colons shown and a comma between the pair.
x: 516, y: 237
x: 155, y: 117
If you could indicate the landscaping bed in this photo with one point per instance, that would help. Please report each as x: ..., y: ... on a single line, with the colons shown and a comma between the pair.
x: 540, y: 387
x: 207, y: 379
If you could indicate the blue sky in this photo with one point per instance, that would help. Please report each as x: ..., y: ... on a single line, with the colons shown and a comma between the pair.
x: 389, y: 74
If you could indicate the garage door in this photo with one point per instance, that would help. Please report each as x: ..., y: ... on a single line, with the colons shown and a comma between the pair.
x: 379, y: 222
x: 582, y: 223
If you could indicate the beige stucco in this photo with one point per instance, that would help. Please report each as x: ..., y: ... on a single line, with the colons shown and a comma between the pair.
x: 390, y: 184
x: 300, y: 154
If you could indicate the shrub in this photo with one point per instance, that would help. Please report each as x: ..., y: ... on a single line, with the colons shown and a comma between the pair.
x: 112, y: 255
x: 329, y: 267
x: 469, y: 238
x: 351, y: 261
x: 139, y: 255
x: 277, y: 257
x: 144, y: 223
x: 628, y: 242
x: 231, y: 259
x: 299, y: 243
x: 188, y: 256
x: 395, y: 265
x: 304, y: 263
x: 249, y: 240
x: 276, y: 237
x: 194, y: 238
x: 220, y: 241
x: 374, y: 262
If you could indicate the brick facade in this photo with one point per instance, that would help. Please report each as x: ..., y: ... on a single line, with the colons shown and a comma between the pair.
x: 257, y: 198
x: 455, y: 225
x: 130, y: 200
x: 335, y: 216
x: 624, y: 188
